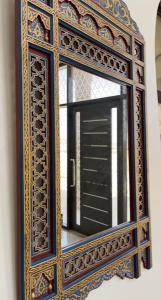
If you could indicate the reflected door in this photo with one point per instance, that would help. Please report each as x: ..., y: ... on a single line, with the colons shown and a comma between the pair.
x: 95, y: 165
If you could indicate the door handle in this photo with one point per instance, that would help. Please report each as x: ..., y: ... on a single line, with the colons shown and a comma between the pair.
x: 74, y: 173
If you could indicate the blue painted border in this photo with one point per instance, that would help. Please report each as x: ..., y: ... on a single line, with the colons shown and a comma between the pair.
x: 50, y: 3
x: 20, y: 148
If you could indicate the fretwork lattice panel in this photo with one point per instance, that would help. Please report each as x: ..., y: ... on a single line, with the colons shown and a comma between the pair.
x: 140, y: 153
x: 83, y: 263
x: 40, y: 152
x: 92, y: 53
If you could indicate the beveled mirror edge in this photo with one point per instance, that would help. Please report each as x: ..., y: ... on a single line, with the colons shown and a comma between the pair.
x: 53, y: 269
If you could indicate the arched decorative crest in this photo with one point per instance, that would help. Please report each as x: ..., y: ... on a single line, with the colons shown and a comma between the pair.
x: 119, y: 10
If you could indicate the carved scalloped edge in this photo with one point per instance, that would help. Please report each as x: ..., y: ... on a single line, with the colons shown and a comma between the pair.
x: 124, y: 270
x: 110, y: 4
x: 81, y: 12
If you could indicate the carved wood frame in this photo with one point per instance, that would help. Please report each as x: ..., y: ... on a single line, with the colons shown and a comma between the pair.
x: 47, y: 31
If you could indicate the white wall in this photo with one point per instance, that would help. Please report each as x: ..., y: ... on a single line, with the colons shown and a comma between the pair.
x: 149, y: 285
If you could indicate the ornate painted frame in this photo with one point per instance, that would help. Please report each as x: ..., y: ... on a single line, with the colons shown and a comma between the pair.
x: 99, y: 35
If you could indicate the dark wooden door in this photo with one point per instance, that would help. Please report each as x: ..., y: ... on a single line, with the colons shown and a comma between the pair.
x: 90, y: 163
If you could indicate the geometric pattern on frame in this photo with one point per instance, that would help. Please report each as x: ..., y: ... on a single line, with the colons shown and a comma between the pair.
x: 39, y: 128
x: 122, y: 270
x: 93, y: 53
x: 38, y: 25
x: 84, y: 262
x: 140, y: 153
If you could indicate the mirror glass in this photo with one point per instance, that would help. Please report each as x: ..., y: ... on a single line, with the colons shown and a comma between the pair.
x: 94, y: 154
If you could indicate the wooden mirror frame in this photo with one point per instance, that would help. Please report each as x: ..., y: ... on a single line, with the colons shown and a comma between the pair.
x: 46, y: 31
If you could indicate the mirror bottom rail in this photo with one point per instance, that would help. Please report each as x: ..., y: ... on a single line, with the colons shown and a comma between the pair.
x: 45, y: 281
x: 82, y: 261
x: 126, y: 266
x: 84, y: 268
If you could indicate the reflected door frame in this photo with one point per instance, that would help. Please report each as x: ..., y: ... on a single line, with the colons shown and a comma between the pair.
x: 122, y: 192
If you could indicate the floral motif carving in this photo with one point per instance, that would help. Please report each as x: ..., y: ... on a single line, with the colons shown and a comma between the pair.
x: 42, y: 284
x: 121, y: 43
x: 69, y: 11
x: 89, y: 23
x: 106, y: 33
x: 119, y: 10
x: 38, y: 25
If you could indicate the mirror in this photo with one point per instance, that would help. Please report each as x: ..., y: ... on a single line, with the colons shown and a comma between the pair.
x: 94, y: 153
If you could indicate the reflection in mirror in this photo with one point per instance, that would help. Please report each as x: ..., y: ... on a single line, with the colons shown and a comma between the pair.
x: 94, y: 154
